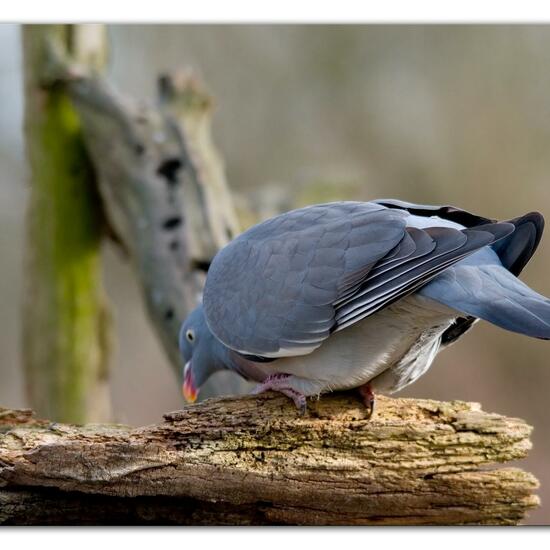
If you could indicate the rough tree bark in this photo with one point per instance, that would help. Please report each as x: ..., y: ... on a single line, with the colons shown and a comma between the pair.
x: 162, y: 184
x: 254, y: 460
x: 65, y: 318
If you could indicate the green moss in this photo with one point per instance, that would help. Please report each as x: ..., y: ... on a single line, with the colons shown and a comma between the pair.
x: 63, y: 345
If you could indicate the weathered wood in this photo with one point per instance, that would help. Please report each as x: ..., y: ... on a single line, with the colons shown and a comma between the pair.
x: 162, y: 185
x: 256, y: 460
x: 54, y: 507
x: 65, y: 318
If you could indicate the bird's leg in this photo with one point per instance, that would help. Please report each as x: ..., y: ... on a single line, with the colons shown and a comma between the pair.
x: 279, y: 382
x: 367, y: 395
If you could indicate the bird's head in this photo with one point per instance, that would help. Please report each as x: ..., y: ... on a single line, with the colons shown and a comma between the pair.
x: 201, y: 351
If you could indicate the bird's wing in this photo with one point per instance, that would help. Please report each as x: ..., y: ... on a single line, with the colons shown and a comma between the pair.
x: 437, y: 248
x: 283, y: 286
x: 445, y: 212
x: 271, y: 291
x: 516, y: 250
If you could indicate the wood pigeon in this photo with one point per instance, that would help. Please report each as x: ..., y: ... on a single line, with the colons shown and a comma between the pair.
x: 358, y: 295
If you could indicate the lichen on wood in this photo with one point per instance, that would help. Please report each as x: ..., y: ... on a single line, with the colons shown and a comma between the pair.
x: 255, y: 460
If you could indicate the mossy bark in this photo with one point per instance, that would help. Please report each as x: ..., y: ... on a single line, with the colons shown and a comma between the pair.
x: 165, y: 195
x: 65, y: 320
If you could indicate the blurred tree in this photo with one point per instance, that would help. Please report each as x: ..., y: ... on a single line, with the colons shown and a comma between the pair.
x: 65, y: 318
x: 153, y: 178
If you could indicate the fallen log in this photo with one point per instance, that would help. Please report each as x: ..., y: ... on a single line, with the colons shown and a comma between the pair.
x: 255, y: 460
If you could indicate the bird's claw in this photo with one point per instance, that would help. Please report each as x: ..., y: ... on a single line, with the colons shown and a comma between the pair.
x: 298, y: 398
x: 279, y: 383
x: 369, y: 400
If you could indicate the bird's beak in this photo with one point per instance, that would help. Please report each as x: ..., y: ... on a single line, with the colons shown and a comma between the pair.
x: 189, y: 389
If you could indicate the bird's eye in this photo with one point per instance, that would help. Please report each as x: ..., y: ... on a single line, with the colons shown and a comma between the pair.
x: 190, y: 335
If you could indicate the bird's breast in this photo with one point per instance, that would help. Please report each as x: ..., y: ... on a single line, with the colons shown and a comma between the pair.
x: 362, y: 352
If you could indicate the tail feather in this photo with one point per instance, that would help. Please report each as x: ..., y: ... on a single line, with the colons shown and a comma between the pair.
x: 529, y: 316
x: 492, y: 293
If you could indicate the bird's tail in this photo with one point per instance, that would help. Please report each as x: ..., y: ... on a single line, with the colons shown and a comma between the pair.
x: 485, y: 285
x: 492, y: 293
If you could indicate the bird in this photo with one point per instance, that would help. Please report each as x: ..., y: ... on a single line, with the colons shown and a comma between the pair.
x: 362, y: 295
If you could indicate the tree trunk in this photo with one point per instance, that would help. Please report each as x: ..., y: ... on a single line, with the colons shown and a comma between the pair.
x: 255, y: 460
x: 150, y: 176
x: 65, y: 319
x: 163, y: 188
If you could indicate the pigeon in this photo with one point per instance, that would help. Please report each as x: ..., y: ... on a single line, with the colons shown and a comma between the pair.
x: 359, y: 295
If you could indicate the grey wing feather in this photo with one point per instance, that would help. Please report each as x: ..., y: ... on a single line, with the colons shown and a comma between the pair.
x: 451, y: 213
x: 516, y: 250
x: 385, y: 287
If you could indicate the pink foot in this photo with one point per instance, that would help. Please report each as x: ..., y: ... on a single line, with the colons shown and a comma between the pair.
x: 368, y: 397
x: 279, y: 382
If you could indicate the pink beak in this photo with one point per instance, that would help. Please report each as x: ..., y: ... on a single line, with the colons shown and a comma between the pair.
x: 189, y: 389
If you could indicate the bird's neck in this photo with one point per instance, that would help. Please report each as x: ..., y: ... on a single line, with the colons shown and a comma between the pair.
x: 221, y: 355
x: 225, y: 358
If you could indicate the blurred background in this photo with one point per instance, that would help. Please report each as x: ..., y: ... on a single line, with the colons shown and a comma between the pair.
x: 431, y: 114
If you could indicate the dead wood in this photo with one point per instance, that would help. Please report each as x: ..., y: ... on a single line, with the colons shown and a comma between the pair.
x: 255, y: 460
